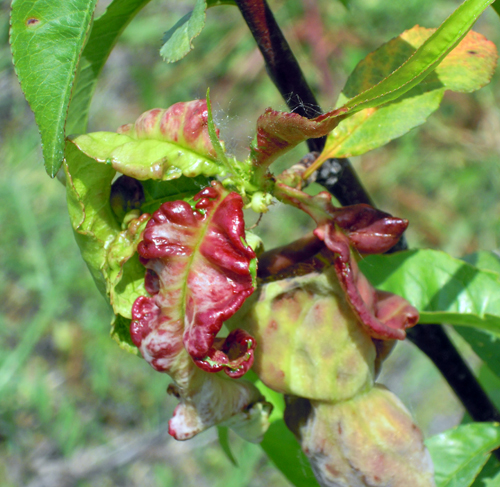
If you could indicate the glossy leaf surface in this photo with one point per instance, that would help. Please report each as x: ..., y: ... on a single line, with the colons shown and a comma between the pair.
x: 290, y: 460
x: 383, y: 315
x: 105, y: 32
x: 467, y: 68
x: 485, y: 345
x: 46, y: 66
x: 162, y: 144
x: 460, y: 453
x: 442, y: 288
x: 203, y: 268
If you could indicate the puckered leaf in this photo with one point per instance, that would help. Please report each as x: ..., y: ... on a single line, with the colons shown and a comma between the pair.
x: 109, y: 252
x: 279, y: 132
x: 367, y: 441
x: 105, y: 32
x: 310, y: 343
x: 384, y: 316
x: 460, y: 453
x: 203, y: 266
x: 442, y: 288
x: 467, y: 68
x: 47, y: 38
x: 162, y: 144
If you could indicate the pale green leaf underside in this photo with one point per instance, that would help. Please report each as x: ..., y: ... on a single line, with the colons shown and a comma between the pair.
x: 178, y: 40
x: 442, y: 288
x: 375, y: 127
x: 105, y: 33
x: 460, y: 453
x: 146, y: 158
x: 47, y: 38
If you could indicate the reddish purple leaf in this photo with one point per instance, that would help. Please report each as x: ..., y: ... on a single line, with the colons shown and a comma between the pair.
x: 279, y: 132
x: 233, y: 354
x: 199, y: 271
x: 367, y: 230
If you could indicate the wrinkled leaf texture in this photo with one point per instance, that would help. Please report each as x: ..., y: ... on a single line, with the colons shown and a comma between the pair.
x: 459, y: 454
x: 442, y: 288
x: 161, y: 144
x: 47, y: 39
x: 202, y: 271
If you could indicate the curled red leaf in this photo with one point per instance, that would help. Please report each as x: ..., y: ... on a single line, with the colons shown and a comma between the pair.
x: 233, y: 355
x: 198, y: 266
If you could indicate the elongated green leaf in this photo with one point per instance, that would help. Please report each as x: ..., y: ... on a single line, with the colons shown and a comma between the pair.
x: 460, y: 453
x: 467, y: 68
x: 285, y: 452
x: 47, y: 38
x: 486, y: 345
x: 105, y: 32
x: 279, y: 132
x: 223, y: 434
x: 178, y: 40
x: 425, y: 59
x: 442, y: 288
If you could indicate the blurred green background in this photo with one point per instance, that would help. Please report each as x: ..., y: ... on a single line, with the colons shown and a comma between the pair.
x: 75, y: 410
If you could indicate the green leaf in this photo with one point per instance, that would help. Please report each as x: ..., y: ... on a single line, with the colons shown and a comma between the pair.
x: 424, y: 60
x: 120, y: 333
x: 489, y: 475
x: 109, y: 252
x: 284, y: 451
x: 47, y: 39
x: 105, y: 32
x: 460, y: 453
x: 467, y: 68
x: 442, y: 288
x: 485, y: 345
x: 223, y: 434
x: 183, y: 188
x: 487, y: 260
x: 178, y: 40
x: 88, y: 187
x: 280, y: 132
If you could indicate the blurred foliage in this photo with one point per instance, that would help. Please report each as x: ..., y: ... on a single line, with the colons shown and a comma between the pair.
x: 75, y: 410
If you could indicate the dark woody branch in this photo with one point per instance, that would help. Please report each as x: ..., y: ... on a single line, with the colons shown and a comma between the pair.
x: 340, y: 179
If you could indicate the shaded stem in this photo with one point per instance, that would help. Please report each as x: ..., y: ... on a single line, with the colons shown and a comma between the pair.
x: 341, y: 180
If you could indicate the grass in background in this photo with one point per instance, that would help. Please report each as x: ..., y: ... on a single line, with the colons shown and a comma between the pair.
x: 75, y: 410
